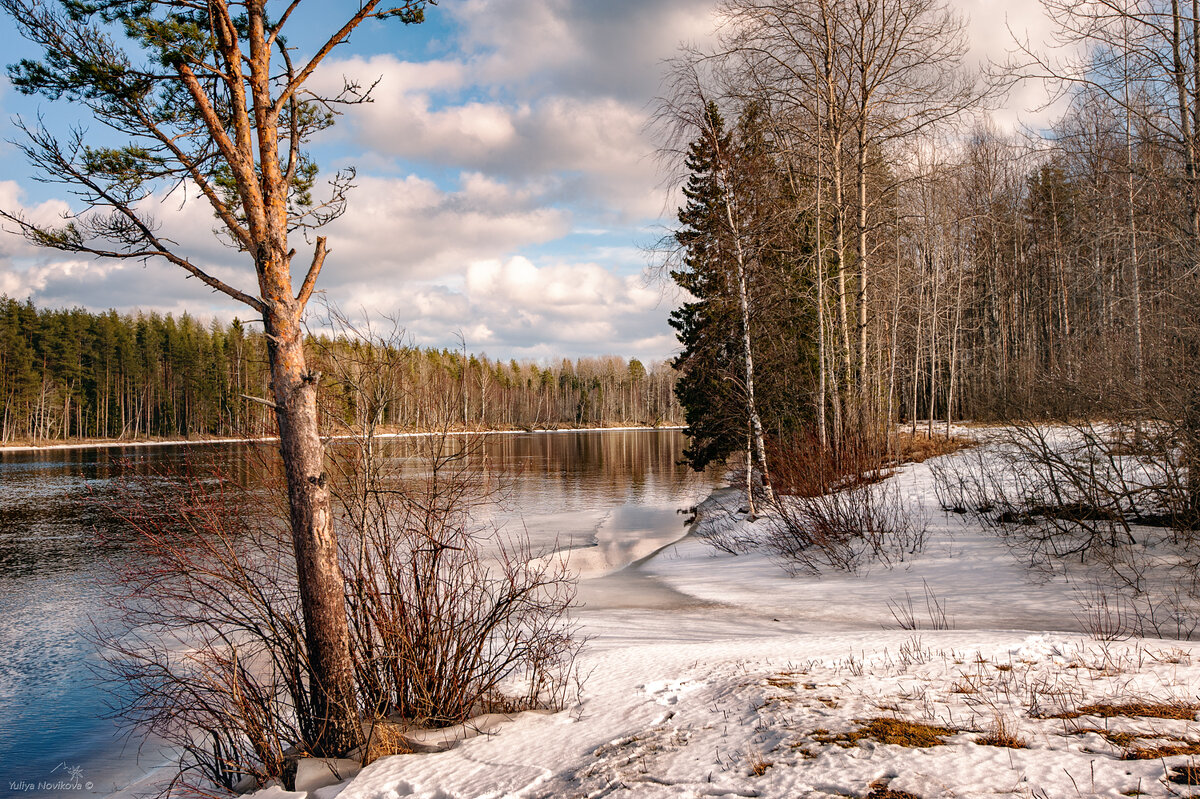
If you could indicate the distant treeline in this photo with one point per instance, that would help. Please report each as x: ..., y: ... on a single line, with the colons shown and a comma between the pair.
x: 69, y: 374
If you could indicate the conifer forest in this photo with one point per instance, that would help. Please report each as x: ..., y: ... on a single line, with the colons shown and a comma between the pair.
x: 71, y: 374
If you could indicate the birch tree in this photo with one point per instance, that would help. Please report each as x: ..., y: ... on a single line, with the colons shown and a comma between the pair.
x: 856, y: 82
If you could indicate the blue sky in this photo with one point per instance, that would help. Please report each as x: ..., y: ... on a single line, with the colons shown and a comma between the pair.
x: 507, y: 182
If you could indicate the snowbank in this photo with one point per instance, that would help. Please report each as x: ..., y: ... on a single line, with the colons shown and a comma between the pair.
x: 721, y: 676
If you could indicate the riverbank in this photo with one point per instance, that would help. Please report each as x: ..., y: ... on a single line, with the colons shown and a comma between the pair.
x: 104, y: 443
x: 765, y: 685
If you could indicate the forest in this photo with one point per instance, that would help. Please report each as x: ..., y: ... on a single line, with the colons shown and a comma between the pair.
x: 865, y: 248
x: 72, y: 374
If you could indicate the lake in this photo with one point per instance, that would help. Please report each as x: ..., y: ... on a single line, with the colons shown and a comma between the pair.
x: 611, y: 497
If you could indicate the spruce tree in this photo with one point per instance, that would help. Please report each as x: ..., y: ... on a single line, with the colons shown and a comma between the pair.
x: 707, y: 326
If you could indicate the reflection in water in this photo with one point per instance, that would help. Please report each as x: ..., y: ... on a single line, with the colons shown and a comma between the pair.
x: 611, y: 497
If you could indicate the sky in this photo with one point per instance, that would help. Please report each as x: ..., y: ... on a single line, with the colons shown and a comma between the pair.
x: 507, y: 188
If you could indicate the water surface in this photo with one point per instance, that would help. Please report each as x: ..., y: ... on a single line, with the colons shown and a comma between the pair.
x: 610, y: 497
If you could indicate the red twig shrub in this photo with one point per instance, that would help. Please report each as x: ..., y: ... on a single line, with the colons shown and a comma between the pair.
x: 834, y: 507
x: 448, y: 617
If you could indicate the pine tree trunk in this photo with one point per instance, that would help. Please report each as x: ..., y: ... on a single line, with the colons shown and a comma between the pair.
x: 313, y: 538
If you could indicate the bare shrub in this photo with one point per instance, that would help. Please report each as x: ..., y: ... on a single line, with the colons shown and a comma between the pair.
x: 1111, y: 498
x: 214, y: 662
x: 836, y: 509
x: 908, y: 618
x: 1105, y: 615
x: 448, y: 617
x: 1075, y: 490
x: 803, y: 467
x: 971, y: 485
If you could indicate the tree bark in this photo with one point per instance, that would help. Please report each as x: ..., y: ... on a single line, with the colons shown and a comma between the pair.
x: 319, y: 574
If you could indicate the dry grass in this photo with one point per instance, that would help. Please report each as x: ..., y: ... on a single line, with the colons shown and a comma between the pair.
x: 1169, y: 750
x: 1152, y: 710
x: 384, y: 740
x: 759, y: 766
x: 898, y: 732
x: 880, y: 790
x: 964, y: 685
x: 1185, y: 775
x: 920, y: 448
x: 1124, y: 740
x: 1003, y: 734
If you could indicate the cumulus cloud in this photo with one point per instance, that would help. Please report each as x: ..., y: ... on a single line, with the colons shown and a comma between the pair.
x: 515, y: 308
x: 399, y: 233
x: 994, y: 31
x: 12, y: 200
x: 405, y: 229
x: 507, y: 185
x: 580, y: 48
x: 592, y: 151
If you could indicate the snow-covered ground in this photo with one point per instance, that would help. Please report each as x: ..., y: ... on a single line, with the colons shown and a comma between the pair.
x: 719, y: 675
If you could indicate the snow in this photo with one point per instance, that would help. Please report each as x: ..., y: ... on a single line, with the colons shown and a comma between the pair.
x: 670, y: 720
x: 713, y: 675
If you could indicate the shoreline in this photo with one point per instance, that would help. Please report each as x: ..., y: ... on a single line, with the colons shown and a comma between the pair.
x: 108, y: 443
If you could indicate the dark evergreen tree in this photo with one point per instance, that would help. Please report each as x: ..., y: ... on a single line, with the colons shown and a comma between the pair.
x: 711, y: 386
x: 707, y: 326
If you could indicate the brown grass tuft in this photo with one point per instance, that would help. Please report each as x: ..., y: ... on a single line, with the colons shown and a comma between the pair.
x: 1121, y: 739
x: 759, y: 766
x: 1003, y: 734
x: 880, y: 790
x: 898, y: 732
x: 1152, y: 710
x: 384, y: 740
x: 920, y: 448
x: 1169, y: 750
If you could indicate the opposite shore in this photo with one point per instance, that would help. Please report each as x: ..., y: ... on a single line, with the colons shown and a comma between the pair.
x: 108, y: 443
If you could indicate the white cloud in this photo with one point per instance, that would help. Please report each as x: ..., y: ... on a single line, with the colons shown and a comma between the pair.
x: 994, y: 31
x: 490, y: 168
x: 592, y: 151
x: 579, y: 48
x: 517, y: 307
x: 398, y: 230
x: 12, y: 200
